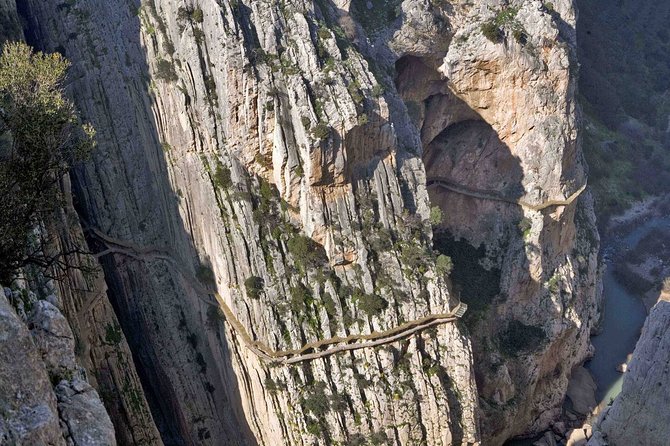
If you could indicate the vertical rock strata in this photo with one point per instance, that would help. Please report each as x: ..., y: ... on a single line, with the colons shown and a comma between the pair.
x: 241, y: 147
x: 278, y: 153
x: 499, y: 126
x: 46, y: 399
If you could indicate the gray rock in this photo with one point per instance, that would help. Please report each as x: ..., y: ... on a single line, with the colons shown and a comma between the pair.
x: 639, y: 415
x: 27, y: 403
x: 83, y: 415
x: 252, y: 107
x: 54, y: 339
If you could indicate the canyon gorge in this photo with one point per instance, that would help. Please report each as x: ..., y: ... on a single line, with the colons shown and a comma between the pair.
x: 325, y: 222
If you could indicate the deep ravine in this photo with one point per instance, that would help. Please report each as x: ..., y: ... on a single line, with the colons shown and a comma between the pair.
x: 282, y: 154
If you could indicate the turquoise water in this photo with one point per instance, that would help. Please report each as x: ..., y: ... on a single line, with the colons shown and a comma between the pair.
x: 624, y: 315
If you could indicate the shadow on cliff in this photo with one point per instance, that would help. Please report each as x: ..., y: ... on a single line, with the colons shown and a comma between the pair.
x: 476, y: 180
x: 467, y: 167
x: 126, y: 193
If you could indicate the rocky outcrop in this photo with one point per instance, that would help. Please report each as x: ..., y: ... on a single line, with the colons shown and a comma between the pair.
x: 637, y: 417
x: 500, y: 128
x: 279, y: 154
x: 245, y: 140
x: 29, y: 409
x: 33, y: 410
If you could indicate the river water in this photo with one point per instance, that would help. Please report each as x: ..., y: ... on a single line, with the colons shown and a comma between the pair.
x: 623, y: 317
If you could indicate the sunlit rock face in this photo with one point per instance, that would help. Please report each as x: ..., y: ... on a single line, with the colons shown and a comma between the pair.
x: 286, y: 155
x: 500, y: 131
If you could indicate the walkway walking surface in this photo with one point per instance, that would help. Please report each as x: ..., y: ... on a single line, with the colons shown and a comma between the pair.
x: 309, y: 351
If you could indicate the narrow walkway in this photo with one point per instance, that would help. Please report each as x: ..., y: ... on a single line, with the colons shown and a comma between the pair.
x: 339, y: 344
x: 495, y: 196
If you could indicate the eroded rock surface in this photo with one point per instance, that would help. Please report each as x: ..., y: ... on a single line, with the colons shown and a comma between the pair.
x: 28, y: 404
x: 499, y: 124
x: 281, y: 154
x: 34, y: 412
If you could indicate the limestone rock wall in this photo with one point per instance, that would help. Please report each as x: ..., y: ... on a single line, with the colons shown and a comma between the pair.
x: 102, y: 348
x: 91, y: 331
x: 252, y: 140
x: 500, y: 129
x: 277, y: 152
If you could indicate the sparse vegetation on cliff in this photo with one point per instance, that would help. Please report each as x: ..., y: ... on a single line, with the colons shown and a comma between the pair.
x: 494, y: 29
x: 376, y: 15
x: 254, y: 286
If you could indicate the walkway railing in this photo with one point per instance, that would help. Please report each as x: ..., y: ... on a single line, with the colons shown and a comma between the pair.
x: 309, y: 351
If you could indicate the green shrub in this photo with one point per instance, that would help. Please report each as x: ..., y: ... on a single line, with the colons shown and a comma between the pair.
x: 492, y: 32
x: 377, y: 90
x: 321, y: 131
x: 273, y: 386
x: 370, y: 304
x: 301, y: 299
x: 316, y: 401
x: 324, y: 33
x: 113, y: 334
x: 354, y: 89
x: 189, y: 14
x: 165, y: 71
x: 378, y: 17
x: 183, y: 14
x: 306, y: 251
x: 413, y: 256
x: 505, y: 18
x: 254, y: 286
x: 222, y: 177
x: 196, y: 15
x: 199, y: 36
x: 444, y: 265
x: 329, y: 304
x: 41, y: 130
x: 436, y: 216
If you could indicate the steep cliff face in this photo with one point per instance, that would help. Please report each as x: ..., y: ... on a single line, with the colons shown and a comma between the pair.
x: 499, y: 126
x: 261, y: 184
x: 88, y: 329
x: 241, y: 146
x: 636, y: 416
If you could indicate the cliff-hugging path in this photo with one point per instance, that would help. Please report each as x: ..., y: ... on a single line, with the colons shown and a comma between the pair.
x: 351, y: 342
x: 495, y: 196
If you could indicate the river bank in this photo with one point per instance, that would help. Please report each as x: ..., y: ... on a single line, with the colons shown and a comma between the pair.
x: 629, y: 239
x: 626, y: 304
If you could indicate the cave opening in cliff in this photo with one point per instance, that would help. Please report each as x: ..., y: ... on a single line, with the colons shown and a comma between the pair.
x: 466, y: 163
